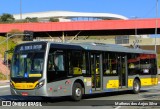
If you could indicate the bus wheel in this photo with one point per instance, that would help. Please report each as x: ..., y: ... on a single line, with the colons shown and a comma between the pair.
x: 77, y: 92
x: 136, y: 86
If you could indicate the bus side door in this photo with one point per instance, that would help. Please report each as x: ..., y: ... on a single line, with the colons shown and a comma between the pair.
x: 96, y: 71
x: 122, y: 70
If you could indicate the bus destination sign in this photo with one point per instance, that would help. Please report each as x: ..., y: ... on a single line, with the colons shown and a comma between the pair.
x: 30, y: 47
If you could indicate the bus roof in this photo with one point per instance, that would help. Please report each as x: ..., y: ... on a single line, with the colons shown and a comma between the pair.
x: 99, y: 47
x: 113, y: 47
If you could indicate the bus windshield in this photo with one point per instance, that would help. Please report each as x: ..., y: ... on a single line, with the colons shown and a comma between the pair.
x: 25, y: 65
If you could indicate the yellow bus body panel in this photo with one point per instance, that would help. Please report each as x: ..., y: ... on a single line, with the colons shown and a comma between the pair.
x: 130, y: 82
x: 144, y: 82
x: 112, y: 84
x: 149, y: 81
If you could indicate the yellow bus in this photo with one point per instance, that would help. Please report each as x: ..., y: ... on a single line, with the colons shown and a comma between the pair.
x: 67, y: 69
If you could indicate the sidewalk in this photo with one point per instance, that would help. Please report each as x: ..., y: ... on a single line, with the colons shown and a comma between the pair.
x: 4, y: 82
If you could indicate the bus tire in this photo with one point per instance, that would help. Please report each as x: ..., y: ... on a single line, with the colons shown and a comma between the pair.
x: 136, y: 86
x: 76, y: 92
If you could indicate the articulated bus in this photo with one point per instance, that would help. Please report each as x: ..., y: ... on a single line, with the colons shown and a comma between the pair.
x: 65, y: 69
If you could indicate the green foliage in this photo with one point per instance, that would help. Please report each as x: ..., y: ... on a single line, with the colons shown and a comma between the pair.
x: 3, y: 46
x: 2, y: 76
x: 29, y: 19
x: 7, y: 18
x: 53, y: 19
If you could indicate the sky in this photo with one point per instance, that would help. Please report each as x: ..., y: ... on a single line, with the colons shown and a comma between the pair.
x: 127, y: 8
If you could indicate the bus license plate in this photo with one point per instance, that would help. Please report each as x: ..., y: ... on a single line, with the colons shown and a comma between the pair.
x: 24, y: 93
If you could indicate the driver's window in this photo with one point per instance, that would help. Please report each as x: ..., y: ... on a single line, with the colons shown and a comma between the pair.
x: 56, y: 61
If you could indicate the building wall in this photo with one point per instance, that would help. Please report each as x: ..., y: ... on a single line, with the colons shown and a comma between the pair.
x: 111, y: 40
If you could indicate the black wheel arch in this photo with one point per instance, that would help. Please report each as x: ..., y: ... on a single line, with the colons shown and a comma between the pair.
x: 82, y: 84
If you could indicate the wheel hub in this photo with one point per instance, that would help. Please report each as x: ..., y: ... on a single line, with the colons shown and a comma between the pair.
x: 78, y: 92
x: 136, y: 86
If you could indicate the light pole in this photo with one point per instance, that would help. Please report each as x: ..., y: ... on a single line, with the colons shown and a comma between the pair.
x: 156, y: 26
x: 136, y: 38
x: 7, y: 56
x: 20, y: 9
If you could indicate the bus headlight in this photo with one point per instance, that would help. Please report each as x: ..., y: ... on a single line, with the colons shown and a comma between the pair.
x: 40, y: 84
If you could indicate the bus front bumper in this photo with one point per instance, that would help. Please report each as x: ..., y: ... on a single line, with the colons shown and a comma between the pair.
x: 33, y: 92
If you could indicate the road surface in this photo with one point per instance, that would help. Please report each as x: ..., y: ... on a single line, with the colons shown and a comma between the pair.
x: 97, y: 101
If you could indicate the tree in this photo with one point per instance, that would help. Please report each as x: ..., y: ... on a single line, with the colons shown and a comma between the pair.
x: 27, y: 19
x: 33, y: 19
x: 7, y: 18
x: 54, y: 19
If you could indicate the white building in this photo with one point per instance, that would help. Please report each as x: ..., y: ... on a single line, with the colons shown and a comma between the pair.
x: 69, y: 16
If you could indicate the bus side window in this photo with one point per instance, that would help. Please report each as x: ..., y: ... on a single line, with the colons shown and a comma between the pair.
x: 77, y: 63
x: 148, y: 64
x: 59, y: 62
x: 109, y: 64
x: 56, y: 62
x: 133, y: 64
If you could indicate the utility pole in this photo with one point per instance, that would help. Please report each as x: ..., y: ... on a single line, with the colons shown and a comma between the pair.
x: 156, y: 26
x: 20, y: 9
x: 136, y: 37
x: 7, y: 58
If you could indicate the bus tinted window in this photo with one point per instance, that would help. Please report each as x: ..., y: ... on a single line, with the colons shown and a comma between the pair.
x: 56, y: 62
x: 110, y: 64
x: 56, y: 65
x: 133, y: 64
x: 27, y: 65
x: 143, y: 64
x: 77, y: 63
x: 148, y: 64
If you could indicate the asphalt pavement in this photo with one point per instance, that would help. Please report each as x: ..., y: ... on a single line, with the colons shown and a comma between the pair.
x: 96, y: 101
x: 105, y: 100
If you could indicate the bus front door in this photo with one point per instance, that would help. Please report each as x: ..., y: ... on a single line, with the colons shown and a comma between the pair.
x: 96, y: 71
x: 122, y: 71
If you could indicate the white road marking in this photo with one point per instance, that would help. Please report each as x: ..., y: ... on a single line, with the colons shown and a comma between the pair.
x: 118, y: 107
x: 5, y: 86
